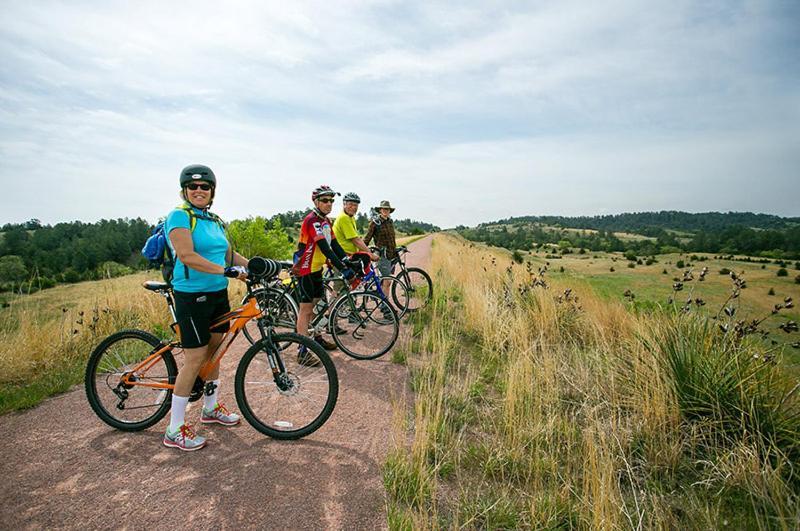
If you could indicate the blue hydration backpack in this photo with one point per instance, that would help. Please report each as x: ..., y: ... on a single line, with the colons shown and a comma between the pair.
x: 158, y: 253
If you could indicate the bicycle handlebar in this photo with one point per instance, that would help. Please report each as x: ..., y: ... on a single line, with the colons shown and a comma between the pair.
x: 381, y: 250
x: 259, y: 268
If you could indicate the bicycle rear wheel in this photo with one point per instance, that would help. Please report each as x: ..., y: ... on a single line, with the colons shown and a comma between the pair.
x: 129, y: 407
x: 400, y: 294
x: 420, y: 287
x: 279, y: 306
x: 365, y: 326
x: 295, y: 402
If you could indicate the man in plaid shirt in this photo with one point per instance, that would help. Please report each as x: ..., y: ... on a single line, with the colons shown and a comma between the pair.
x: 381, y: 229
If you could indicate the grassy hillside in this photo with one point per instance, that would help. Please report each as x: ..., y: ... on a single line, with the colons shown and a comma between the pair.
x: 540, y: 408
x: 652, y: 288
x: 46, y: 337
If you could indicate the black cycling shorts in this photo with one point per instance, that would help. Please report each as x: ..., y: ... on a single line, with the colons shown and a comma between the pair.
x: 309, y: 287
x: 196, y: 311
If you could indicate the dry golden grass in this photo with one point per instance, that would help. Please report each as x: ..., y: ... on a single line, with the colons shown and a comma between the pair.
x: 535, y: 412
x: 46, y: 337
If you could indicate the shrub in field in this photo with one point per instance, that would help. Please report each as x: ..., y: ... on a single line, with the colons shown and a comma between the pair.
x: 782, y: 272
x: 771, y: 291
x: 730, y: 386
x: 724, y: 271
x: 797, y: 279
x: 46, y: 282
x: 680, y: 264
x: 112, y: 270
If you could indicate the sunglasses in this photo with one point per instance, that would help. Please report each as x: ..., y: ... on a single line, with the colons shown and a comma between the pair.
x: 203, y: 186
x: 328, y: 200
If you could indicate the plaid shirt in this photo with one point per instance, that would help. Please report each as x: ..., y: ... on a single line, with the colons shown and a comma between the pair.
x: 383, y: 233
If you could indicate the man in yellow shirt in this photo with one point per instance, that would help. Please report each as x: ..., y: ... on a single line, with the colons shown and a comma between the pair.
x: 344, y: 228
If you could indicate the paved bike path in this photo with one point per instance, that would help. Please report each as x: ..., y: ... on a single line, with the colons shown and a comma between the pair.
x: 63, y: 467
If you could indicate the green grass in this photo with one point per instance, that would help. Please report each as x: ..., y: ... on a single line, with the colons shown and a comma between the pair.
x: 653, y: 289
x: 18, y: 396
x: 408, y: 240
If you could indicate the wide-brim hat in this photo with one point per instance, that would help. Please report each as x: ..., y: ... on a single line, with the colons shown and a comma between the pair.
x: 384, y: 204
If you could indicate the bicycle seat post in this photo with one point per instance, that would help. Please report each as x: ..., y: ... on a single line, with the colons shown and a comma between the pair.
x: 167, y: 294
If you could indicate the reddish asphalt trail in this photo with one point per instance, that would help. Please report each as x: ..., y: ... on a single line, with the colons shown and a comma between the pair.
x: 64, y: 468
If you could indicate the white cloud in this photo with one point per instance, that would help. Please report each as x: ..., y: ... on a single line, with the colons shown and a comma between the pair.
x: 457, y: 115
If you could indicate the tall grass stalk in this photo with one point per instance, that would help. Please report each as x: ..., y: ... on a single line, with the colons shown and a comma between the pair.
x: 534, y: 409
x: 46, y: 337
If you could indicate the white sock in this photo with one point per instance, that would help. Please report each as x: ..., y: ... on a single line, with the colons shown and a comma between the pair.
x: 177, y: 412
x: 210, y: 401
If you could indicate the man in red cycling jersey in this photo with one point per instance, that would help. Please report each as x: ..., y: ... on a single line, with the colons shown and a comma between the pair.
x: 316, y: 244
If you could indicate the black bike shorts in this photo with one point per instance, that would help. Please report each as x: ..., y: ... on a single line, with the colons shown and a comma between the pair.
x: 309, y: 287
x: 196, y: 311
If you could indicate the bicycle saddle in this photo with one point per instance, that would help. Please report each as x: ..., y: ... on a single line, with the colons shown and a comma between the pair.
x: 152, y: 285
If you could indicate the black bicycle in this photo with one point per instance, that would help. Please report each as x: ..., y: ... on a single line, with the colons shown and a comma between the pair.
x: 363, y: 324
x: 418, y: 283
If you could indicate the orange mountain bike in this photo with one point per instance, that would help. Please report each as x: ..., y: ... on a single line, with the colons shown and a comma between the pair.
x: 286, y: 385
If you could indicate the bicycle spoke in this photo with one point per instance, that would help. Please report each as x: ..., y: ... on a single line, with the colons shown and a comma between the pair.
x: 373, y: 326
x: 294, y: 402
x: 129, y: 406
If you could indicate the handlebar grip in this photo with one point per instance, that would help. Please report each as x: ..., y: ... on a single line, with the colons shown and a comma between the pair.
x: 263, y: 267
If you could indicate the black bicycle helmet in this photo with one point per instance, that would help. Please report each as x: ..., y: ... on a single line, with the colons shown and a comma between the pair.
x: 198, y: 172
x: 352, y: 196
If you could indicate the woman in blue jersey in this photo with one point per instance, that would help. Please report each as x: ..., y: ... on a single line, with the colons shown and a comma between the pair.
x: 204, y: 260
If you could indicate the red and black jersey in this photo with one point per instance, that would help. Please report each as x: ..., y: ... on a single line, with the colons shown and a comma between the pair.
x: 314, y: 229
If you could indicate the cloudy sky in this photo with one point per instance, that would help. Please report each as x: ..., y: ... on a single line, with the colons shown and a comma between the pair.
x: 458, y: 112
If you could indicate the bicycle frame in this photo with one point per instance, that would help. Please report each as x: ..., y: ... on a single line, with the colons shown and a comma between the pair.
x: 238, y: 319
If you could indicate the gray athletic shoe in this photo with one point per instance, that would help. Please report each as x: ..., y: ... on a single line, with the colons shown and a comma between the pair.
x: 219, y: 415
x: 184, y: 439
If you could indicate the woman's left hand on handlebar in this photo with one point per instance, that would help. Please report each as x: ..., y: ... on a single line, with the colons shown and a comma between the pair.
x: 237, y: 272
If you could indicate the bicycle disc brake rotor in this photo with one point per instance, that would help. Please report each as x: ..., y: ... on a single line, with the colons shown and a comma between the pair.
x: 288, y: 384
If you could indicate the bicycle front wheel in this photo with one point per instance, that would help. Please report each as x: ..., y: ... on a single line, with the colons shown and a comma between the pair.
x: 130, y: 406
x: 297, y: 399
x: 278, y: 306
x: 420, y: 287
x: 400, y: 294
x: 365, y: 326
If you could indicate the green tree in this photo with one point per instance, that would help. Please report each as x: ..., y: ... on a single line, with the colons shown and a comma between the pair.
x: 258, y: 237
x: 361, y: 222
x: 12, y: 269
